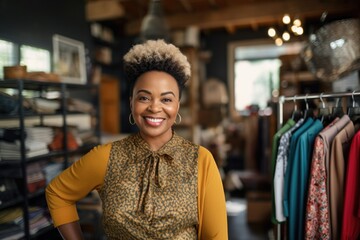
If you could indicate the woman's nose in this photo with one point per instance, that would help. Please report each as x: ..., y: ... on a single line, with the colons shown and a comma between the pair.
x: 154, y: 106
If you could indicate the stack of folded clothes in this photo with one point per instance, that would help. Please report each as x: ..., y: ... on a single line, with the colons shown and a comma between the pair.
x: 39, y: 219
x: 9, y: 227
x: 41, y: 134
x: 51, y: 170
x: 36, y: 142
x: 12, y: 151
x: 9, y: 105
x: 35, y: 177
x: 12, y: 222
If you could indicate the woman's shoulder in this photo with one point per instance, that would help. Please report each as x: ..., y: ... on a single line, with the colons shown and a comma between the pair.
x: 205, y: 156
x: 203, y: 151
x: 104, y: 147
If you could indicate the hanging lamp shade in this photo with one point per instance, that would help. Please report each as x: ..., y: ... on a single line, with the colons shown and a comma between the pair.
x: 154, y: 25
x: 334, y: 50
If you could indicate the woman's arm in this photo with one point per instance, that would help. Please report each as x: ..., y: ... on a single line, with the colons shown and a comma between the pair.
x: 71, y: 231
x: 75, y: 183
x: 212, y: 204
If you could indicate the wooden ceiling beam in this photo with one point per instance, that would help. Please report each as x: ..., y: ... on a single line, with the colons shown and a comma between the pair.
x: 242, y: 16
x: 186, y: 5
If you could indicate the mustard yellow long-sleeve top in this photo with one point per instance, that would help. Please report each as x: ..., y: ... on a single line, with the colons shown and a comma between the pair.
x: 88, y: 174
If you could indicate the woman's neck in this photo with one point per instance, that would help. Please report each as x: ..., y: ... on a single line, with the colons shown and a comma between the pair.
x: 155, y: 143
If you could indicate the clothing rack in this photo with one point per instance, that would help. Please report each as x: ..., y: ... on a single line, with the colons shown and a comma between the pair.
x: 283, y: 99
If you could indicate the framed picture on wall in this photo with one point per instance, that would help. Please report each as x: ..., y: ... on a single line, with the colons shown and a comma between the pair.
x: 69, y: 59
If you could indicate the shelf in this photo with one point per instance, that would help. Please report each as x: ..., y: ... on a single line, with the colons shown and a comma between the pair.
x: 38, y: 115
x: 11, y: 203
x: 35, y: 85
x: 298, y: 76
x: 53, y: 154
x: 17, y: 163
x: 37, y: 193
x: 99, y: 41
x: 63, y: 119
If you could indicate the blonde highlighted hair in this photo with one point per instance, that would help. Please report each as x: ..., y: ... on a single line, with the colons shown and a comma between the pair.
x: 156, y: 55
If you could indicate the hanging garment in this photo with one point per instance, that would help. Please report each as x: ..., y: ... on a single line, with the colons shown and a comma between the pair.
x: 351, y: 220
x: 328, y: 137
x: 299, y: 181
x: 281, y: 164
x: 339, y: 152
x: 291, y: 155
x: 290, y: 123
x: 317, y: 218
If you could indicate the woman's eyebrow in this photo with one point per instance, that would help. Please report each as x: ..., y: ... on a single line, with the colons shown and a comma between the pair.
x: 148, y: 92
x: 169, y: 92
x: 142, y: 90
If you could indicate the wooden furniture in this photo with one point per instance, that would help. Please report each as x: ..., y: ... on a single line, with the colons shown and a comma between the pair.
x: 110, y: 104
x: 189, y: 109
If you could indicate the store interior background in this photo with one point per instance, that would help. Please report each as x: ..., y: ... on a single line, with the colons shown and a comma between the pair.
x: 241, y: 144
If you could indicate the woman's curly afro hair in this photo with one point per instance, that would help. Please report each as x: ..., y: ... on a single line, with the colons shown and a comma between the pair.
x: 159, y: 56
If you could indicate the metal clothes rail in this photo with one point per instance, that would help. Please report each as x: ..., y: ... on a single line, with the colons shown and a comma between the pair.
x: 283, y: 99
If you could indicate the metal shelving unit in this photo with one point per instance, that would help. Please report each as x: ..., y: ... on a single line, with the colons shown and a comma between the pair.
x: 16, y: 169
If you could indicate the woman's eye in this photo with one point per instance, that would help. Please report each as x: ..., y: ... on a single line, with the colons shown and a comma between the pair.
x: 143, y: 98
x: 167, y: 100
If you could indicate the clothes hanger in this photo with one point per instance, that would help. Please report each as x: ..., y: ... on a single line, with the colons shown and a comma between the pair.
x: 337, y: 110
x: 308, y: 112
x: 296, y: 114
x: 354, y: 111
x: 324, y: 112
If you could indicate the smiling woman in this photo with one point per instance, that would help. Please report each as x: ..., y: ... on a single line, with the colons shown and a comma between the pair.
x: 153, y: 184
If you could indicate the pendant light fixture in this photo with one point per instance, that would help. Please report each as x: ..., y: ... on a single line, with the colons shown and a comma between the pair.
x: 154, y: 25
x: 289, y: 28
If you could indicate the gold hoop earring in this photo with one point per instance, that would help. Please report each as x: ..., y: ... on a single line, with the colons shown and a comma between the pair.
x: 131, y: 119
x: 178, y: 115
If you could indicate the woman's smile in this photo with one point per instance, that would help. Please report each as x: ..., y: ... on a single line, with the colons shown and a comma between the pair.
x: 154, y: 121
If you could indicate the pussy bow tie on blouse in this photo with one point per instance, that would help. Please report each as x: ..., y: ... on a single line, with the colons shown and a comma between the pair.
x: 158, y: 170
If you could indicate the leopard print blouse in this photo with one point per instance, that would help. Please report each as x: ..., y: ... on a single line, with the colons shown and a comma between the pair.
x: 151, y: 195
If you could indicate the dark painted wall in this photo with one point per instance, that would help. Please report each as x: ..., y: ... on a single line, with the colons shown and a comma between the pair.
x: 33, y: 22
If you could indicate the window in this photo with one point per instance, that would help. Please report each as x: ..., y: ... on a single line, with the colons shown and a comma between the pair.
x: 8, y: 55
x: 254, y: 87
x: 254, y: 74
x: 36, y: 59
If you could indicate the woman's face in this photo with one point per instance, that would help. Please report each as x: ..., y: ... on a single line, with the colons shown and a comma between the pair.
x: 154, y: 105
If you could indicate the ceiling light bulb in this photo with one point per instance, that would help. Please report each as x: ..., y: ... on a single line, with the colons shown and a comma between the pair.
x: 299, y: 31
x: 271, y: 32
x: 297, y: 22
x: 286, y: 36
x: 278, y: 41
x: 294, y: 28
x: 286, y: 19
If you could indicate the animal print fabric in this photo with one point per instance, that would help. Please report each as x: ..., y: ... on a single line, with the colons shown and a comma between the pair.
x: 151, y: 195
